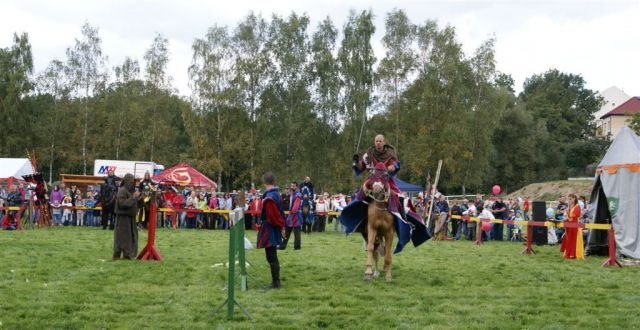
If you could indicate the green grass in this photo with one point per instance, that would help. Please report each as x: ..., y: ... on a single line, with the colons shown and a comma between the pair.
x: 63, y: 278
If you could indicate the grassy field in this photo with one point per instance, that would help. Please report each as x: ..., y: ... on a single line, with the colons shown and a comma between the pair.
x: 63, y: 278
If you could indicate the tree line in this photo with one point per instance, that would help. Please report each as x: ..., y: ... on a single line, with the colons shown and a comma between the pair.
x: 277, y: 94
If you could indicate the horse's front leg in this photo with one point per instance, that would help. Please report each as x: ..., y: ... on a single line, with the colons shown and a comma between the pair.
x: 376, y: 257
x: 388, y: 241
x: 371, y: 237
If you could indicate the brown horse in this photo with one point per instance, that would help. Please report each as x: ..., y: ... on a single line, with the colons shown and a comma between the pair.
x: 380, y: 224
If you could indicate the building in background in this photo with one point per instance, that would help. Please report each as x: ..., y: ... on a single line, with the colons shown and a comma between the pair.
x: 613, y: 97
x: 620, y: 116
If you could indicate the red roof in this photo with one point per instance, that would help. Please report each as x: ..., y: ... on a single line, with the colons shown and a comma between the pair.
x: 630, y: 107
x: 184, y: 175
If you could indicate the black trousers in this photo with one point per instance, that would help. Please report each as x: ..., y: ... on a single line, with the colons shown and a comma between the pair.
x: 274, y: 264
x: 296, y: 238
x: 107, y: 218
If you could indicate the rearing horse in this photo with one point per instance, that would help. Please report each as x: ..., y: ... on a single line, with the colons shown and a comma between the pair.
x: 380, y: 223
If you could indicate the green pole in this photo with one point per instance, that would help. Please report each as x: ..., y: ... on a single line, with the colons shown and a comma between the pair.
x: 231, y: 301
x: 241, y: 255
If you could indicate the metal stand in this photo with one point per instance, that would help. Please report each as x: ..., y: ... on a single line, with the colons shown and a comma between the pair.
x: 236, y: 247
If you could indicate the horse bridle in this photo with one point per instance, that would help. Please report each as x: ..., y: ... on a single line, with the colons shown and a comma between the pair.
x: 369, y: 193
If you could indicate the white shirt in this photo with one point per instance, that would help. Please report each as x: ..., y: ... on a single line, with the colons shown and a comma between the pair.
x: 471, y: 211
x: 486, y: 214
x: 322, y: 206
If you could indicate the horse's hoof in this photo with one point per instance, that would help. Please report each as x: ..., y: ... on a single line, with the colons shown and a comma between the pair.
x: 376, y: 274
x: 367, y: 276
x: 388, y: 278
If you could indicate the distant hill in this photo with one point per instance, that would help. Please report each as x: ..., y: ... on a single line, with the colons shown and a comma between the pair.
x: 550, y: 191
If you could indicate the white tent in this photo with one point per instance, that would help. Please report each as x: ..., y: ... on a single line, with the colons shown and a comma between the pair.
x: 615, y: 197
x: 14, y: 168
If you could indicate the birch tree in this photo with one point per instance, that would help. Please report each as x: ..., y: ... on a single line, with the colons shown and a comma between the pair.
x: 87, y: 69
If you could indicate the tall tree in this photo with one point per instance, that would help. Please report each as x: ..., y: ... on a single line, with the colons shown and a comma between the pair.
x: 53, y: 82
x: 250, y: 40
x: 289, y: 99
x: 126, y: 74
x: 16, y: 67
x: 87, y: 68
x: 356, y: 70
x: 211, y: 76
x: 566, y: 107
x: 399, y: 62
x: 156, y: 57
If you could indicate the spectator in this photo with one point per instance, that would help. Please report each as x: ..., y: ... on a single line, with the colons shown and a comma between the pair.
x: 55, y: 199
x: 254, y: 206
x: 322, y: 207
x: 90, y: 203
x: 471, y: 225
x: 286, y: 199
x: 192, y: 204
x: 442, y: 215
x: 511, y: 227
x: 455, y: 223
x: 8, y: 223
x: 499, y: 209
x: 80, y: 209
x: 463, y: 224
x: 66, y: 211
x: 201, y: 218
x: 485, y: 214
x: 3, y: 200
x: 338, y: 205
x: 221, y: 206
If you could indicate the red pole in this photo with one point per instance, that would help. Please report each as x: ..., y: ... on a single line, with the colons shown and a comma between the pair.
x: 612, y: 261
x: 150, y: 252
x: 528, y: 249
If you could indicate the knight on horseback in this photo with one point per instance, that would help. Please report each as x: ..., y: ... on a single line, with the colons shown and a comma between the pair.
x: 381, y: 160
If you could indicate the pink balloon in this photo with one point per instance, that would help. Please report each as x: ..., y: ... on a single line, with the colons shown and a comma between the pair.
x: 486, y: 226
x: 496, y: 190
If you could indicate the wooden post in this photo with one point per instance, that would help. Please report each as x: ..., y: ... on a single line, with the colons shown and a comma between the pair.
x: 150, y: 252
x: 433, y: 195
x: 612, y: 261
x: 479, y: 232
x: 528, y: 249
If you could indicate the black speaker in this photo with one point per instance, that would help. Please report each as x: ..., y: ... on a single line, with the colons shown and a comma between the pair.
x: 539, y: 213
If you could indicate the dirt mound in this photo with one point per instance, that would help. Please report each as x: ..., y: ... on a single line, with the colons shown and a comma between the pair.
x: 550, y: 191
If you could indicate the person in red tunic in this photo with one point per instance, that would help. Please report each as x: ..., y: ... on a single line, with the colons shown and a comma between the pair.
x: 568, y: 245
x: 272, y: 229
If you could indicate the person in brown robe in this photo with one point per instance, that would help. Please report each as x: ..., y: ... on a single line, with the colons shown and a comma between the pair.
x: 125, y: 236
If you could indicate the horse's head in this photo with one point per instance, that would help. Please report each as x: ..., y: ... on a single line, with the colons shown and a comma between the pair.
x: 378, y: 183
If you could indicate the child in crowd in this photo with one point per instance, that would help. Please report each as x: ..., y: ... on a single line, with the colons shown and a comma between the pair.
x: 90, y: 203
x: 66, y: 212
x: 80, y: 208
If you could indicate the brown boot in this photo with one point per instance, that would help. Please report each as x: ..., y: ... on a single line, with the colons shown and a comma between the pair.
x: 116, y: 256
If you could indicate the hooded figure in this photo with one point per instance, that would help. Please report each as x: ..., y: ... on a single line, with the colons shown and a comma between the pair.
x: 125, y: 238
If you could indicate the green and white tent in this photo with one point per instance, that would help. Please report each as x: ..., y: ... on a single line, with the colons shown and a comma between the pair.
x: 615, y: 197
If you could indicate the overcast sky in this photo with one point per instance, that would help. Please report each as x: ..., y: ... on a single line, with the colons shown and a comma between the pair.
x: 598, y: 39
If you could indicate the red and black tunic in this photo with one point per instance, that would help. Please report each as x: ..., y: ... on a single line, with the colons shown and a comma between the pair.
x: 272, y: 215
